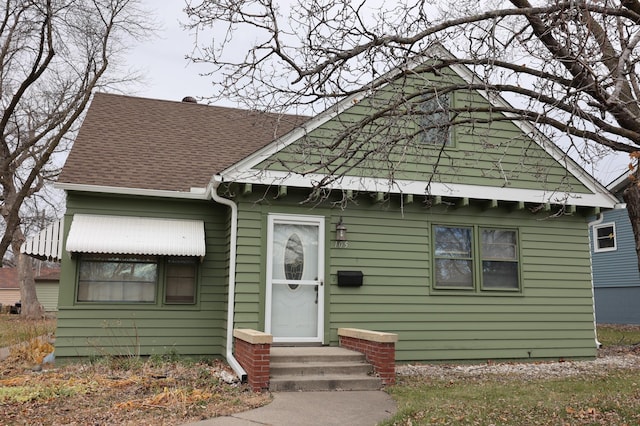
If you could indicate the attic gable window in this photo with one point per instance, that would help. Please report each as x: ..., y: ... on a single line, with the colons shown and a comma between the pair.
x: 604, y: 237
x: 434, y: 119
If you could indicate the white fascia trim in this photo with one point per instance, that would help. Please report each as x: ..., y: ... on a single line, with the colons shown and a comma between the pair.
x: 260, y: 177
x: 194, y: 194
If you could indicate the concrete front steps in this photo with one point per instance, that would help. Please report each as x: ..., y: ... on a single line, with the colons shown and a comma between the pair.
x: 320, y: 369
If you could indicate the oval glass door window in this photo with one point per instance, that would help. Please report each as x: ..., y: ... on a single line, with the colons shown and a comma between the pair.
x: 293, y: 260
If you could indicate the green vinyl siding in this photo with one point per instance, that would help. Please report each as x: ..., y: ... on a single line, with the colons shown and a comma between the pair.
x: 47, y: 292
x: 495, y: 153
x: 90, y: 329
x: 550, y: 316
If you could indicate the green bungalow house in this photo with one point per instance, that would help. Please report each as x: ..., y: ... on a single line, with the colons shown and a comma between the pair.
x: 186, y: 221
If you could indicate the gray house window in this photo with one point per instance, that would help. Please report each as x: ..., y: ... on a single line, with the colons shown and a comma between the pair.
x: 604, y: 237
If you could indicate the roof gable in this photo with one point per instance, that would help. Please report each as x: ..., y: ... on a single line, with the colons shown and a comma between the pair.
x: 502, y: 160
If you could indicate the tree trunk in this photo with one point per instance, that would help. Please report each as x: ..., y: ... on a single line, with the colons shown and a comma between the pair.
x: 631, y: 196
x: 31, y: 308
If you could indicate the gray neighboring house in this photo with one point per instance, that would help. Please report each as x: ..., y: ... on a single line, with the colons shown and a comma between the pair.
x: 616, y: 279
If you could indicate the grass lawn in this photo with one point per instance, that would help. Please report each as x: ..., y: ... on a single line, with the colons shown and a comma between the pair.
x: 14, y: 329
x: 129, y: 390
x: 611, y: 399
x: 605, y: 398
x: 168, y: 390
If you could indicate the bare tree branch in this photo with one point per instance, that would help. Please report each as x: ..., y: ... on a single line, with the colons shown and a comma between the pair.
x: 53, y: 55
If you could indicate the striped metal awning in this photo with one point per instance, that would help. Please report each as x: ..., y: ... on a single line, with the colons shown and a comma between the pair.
x: 136, y: 235
x: 47, y: 244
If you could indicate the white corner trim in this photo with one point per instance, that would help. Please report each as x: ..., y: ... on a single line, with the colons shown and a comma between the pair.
x: 193, y: 194
x: 260, y: 177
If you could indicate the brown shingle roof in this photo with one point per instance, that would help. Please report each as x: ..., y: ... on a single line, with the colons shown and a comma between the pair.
x: 9, y: 278
x: 163, y: 145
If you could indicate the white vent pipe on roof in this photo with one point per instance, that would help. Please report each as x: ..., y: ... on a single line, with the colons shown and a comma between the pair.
x: 233, y: 362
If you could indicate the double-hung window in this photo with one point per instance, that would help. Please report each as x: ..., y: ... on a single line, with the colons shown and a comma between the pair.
x: 475, y: 258
x: 453, y: 256
x: 604, y: 237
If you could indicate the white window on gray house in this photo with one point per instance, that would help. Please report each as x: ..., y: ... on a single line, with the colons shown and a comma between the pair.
x: 435, y: 119
x: 604, y: 237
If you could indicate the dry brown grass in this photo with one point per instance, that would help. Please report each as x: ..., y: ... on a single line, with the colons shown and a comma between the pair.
x: 110, y: 390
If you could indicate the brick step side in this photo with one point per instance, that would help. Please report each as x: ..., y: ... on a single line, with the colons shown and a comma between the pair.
x: 324, y: 383
x: 319, y: 368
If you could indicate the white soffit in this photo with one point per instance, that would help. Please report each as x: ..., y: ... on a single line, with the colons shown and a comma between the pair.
x: 47, y: 244
x: 601, y: 198
x: 136, y: 235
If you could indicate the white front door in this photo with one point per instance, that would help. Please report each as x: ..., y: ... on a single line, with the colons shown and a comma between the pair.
x: 295, y: 278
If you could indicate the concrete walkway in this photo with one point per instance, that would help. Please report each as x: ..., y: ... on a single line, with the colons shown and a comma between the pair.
x: 354, y: 408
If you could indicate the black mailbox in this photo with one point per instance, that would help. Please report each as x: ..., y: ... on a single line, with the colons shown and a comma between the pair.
x: 350, y: 278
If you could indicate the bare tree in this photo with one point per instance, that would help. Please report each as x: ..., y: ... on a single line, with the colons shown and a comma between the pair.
x: 569, y: 66
x: 53, y: 55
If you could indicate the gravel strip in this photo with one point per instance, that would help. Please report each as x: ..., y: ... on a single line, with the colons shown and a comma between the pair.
x: 534, y: 370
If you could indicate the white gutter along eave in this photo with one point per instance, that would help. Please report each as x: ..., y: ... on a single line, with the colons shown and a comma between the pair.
x: 193, y: 194
x: 233, y: 362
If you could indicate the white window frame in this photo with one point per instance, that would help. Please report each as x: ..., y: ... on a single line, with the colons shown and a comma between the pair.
x: 596, y: 246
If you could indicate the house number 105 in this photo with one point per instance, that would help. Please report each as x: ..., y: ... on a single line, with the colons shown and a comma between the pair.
x: 342, y: 244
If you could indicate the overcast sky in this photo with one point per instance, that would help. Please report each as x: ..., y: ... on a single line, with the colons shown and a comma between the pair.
x: 168, y: 75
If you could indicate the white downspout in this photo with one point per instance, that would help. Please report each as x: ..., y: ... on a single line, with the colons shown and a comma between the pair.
x: 591, y: 224
x: 233, y: 362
